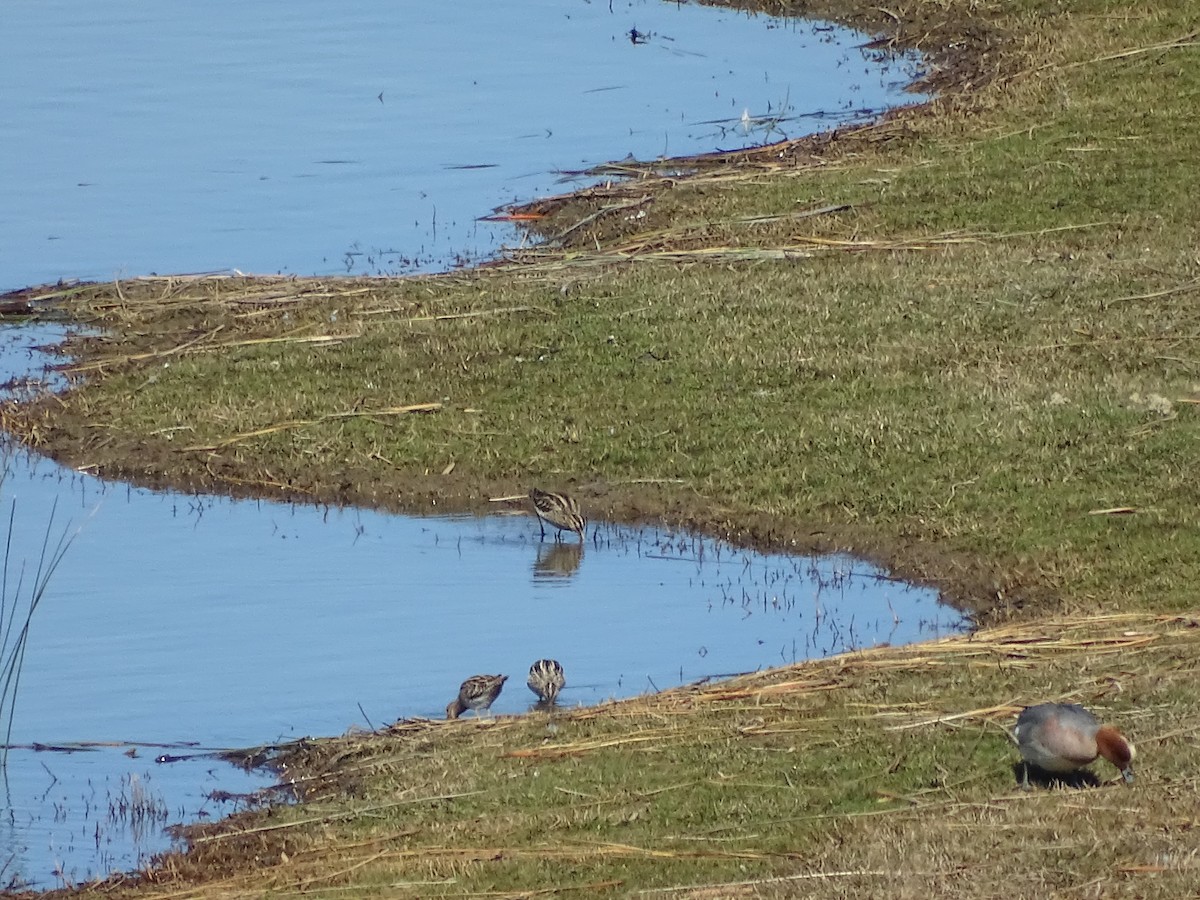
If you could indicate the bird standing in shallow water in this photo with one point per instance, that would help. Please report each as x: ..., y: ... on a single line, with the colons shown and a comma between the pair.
x: 559, y: 510
x: 1062, y: 738
x: 546, y: 679
x: 478, y: 693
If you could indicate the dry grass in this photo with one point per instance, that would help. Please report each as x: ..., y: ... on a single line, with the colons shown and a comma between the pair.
x: 961, y: 342
x: 883, y: 772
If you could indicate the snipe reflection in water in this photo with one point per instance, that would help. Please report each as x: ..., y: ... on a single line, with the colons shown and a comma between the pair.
x: 558, y: 561
x: 290, y: 634
x: 316, y: 613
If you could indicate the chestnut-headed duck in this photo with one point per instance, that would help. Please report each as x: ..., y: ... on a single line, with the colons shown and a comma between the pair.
x: 1062, y: 738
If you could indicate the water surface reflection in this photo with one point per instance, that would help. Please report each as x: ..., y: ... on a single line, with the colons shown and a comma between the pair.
x: 176, y: 619
x: 306, y: 138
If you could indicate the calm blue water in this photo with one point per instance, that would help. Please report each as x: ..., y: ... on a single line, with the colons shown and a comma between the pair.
x: 179, y: 619
x: 293, y: 137
x: 299, y: 137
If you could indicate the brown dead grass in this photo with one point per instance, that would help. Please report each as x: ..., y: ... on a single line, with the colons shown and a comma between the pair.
x: 729, y: 789
x: 1013, y: 265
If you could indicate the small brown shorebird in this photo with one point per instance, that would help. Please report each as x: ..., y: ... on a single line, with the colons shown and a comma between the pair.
x: 546, y: 679
x: 559, y: 510
x: 478, y: 693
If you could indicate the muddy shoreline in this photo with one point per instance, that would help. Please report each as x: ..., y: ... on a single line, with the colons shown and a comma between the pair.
x: 964, y: 53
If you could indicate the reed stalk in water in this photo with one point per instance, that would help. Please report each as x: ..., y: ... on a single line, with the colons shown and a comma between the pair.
x: 15, y: 620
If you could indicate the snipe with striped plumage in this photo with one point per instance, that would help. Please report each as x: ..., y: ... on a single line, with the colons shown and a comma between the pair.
x: 559, y: 510
x: 478, y: 692
x: 546, y: 679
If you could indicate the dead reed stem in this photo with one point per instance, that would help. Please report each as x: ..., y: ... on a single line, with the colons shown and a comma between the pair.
x: 302, y: 423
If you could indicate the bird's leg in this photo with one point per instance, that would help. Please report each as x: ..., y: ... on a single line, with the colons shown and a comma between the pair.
x: 1025, y: 776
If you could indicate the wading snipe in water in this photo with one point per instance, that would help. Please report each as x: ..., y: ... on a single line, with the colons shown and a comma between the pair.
x: 546, y: 679
x: 1062, y: 738
x: 559, y: 510
x: 478, y: 693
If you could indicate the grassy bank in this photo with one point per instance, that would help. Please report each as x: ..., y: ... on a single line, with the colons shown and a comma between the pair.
x: 885, y: 774
x: 993, y: 339
x: 961, y: 342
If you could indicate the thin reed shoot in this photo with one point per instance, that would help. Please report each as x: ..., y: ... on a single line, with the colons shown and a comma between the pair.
x: 18, y: 606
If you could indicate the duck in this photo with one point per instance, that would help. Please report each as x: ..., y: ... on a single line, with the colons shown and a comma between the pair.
x: 546, y: 679
x: 1063, y: 738
x: 478, y: 692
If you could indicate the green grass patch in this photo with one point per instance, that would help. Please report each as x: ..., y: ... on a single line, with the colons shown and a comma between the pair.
x: 981, y: 370
x: 886, y: 773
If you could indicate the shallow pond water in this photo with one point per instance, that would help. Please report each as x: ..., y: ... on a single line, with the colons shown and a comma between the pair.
x: 278, y: 137
x: 177, y: 620
x: 292, y: 137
